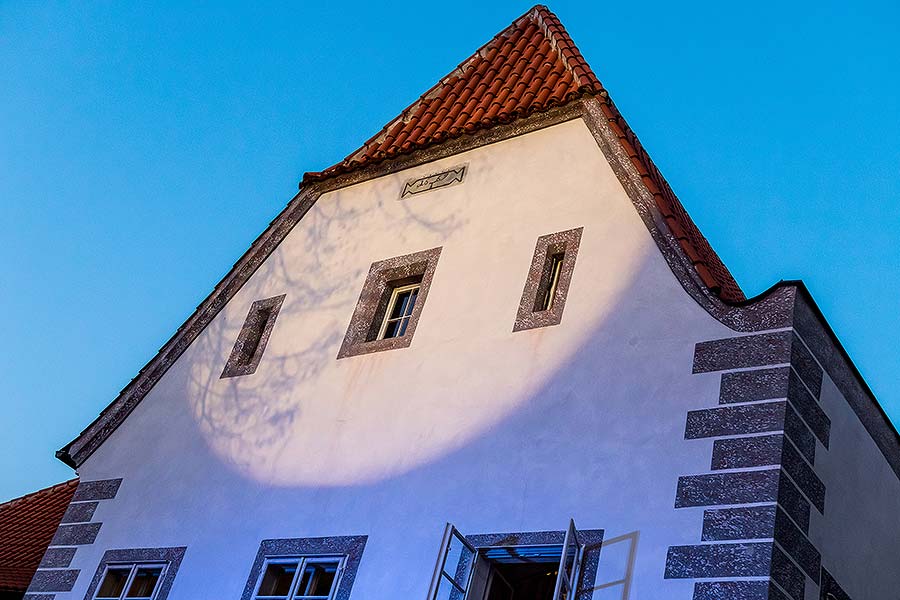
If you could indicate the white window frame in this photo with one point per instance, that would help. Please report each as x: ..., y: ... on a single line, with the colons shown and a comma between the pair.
x: 566, y: 579
x: 395, y: 293
x: 556, y: 262
x: 301, y: 561
x: 134, y: 569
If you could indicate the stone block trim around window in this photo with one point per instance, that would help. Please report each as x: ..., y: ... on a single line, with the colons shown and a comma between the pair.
x: 390, y: 304
x: 253, y: 337
x: 348, y: 549
x: 549, y: 277
x: 161, y: 563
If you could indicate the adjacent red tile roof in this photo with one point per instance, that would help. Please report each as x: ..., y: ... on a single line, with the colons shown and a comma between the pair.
x: 27, y: 525
x: 531, y: 66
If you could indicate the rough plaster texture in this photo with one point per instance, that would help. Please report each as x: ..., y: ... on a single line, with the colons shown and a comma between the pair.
x: 859, y: 533
x: 475, y: 424
x: 387, y: 444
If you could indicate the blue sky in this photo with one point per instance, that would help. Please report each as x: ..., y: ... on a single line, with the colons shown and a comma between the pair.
x: 142, y: 149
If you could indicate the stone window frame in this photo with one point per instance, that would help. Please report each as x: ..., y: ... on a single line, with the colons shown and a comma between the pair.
x: 383, y: 277
x: 350, y: 547
x: 255, y: 327
x: 592, y: 540
x: 170, y: 556
x: 528, y: 317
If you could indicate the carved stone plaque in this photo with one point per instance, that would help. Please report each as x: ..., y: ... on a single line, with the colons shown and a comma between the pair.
x: 435, y: 181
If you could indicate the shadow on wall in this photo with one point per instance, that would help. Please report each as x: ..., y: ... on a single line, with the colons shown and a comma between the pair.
x: 611, y: 392
x: 307, y: 419
x: 251, y: 421
x: 615, y: 572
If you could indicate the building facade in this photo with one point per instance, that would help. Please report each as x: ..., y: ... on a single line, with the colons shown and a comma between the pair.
x: 488, y: 356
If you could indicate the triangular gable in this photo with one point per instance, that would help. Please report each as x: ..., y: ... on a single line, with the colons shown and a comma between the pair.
x: 531, y: 66
x: 528, y: 71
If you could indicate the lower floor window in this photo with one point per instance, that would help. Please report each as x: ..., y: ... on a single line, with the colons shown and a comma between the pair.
x: 520, y: 566
x: 301, y: 578
x: 135, y: 574
x: 130, y: 581
x: 321, y: 568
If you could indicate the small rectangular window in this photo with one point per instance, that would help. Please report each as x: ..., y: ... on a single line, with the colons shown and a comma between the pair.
x: 300, y: 578
x: 399, y: 310
x: 138, y: 581
x: 390, y: 304
x: 550, y: 282
x: 253, y: 337
x: 549, y: 277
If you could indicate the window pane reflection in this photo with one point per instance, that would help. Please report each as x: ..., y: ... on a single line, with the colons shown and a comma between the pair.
x: 144, y: 582
x: 317, y: 581
x: 114, y: 583
x: 277, y: 579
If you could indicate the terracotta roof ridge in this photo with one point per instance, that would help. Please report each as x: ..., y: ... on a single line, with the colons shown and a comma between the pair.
x: 44, y: 491
x: 402, y: 135
x: 565, y: 46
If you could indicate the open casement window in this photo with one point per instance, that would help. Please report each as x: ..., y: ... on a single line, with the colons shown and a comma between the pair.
x: 543, y: 571
x: 300, y: 578
x: 138, y: 582
x: 566, y: 578
x: 453, y: 571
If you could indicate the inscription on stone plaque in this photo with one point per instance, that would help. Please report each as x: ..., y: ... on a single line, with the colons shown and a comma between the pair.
x: 434, y: 182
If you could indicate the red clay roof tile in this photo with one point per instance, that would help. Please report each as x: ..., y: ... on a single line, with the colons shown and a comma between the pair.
x: 27, y: 525
x: 531, y: 66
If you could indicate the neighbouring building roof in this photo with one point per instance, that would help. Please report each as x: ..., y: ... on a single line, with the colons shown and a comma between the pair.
x: 27, y: 525
x: 531, y: 66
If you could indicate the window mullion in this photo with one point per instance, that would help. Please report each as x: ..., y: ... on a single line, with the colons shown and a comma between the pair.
x: 298, y: 577
x: 128, y: 581
x: 337, y: 578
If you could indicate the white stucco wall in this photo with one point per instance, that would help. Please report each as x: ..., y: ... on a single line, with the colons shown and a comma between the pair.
x: 491, y: 430
x: 859, y: 533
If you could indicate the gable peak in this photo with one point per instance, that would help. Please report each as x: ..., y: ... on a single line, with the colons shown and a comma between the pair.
x: 531, y: 66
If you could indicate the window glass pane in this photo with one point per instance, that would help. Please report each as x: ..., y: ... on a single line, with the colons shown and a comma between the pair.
x: 401, y: 329
x: 549, y: 291
x: 399, y: 304
x: 459, y: 563
x: 412, y: 301
x: 144, y: 582
x: 114, y: 582
x: 318, y: 578
x: 277, y: 579
x: 392, y: 330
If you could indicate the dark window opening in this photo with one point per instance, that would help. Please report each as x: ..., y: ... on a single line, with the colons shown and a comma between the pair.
x: 251, y: 344
x: 538, y: 571
x: 312, y: 578
x: 515, y: 576
x: 549, y: 281
x: 253, y: 337
x: 140, y: 581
